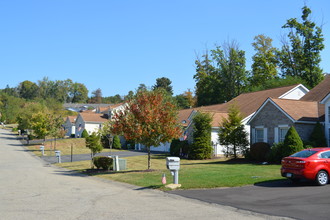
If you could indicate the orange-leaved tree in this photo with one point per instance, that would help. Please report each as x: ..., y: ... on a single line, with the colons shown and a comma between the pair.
x: 149, y: 118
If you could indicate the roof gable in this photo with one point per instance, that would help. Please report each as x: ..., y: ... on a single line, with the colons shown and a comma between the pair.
x: 319, y: 92
x: 295, y: 110
x: 248, y: 103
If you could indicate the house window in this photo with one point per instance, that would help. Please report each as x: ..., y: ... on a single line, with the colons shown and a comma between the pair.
x: 329, y: 114
x: 282, y: 133
x: 259, y: 135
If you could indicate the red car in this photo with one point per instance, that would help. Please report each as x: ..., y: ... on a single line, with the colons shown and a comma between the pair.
x: 312, y: 164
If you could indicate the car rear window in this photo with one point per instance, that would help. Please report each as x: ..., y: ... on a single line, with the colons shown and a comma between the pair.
x: 304, y: 154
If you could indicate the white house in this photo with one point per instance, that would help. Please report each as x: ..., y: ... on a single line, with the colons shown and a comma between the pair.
x: 92, y: 122
x: 70, y: 126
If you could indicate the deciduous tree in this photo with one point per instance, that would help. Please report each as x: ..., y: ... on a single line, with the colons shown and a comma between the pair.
x: 301, y: 58
x: 264, y: 60
x: 149, y: 118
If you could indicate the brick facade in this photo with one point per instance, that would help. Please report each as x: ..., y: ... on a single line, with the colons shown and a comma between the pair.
x: 271, y: 117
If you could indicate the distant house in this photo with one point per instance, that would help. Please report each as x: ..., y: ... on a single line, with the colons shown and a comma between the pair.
x: 70, y: 126
x: 248, y: 104
x: 184, y: 120
x: 92, y: 122
x: 275, y: 116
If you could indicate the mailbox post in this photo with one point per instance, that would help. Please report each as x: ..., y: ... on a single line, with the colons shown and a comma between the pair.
x: 42, y: 148
x: 173, y: 164
x: 58, y: 155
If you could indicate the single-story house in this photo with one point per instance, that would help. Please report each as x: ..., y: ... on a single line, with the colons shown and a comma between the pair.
x: 248, y: 104
x: 275, y: 116
x: 92, y: 122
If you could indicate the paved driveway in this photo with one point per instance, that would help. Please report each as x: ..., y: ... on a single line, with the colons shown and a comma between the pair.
x: 300, y: 201
x: 32, y: 189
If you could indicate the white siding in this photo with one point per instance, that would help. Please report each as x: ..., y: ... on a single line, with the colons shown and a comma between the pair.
x: 163, y: 147
x: 80, y: 126
x: 295, y: 94
x: 327, y: 122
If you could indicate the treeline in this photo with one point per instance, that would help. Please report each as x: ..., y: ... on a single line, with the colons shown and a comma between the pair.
x: 221, y: 73
x: 220, y: 76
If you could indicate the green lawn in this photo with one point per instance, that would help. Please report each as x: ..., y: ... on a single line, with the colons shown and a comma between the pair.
x: 193, y: 174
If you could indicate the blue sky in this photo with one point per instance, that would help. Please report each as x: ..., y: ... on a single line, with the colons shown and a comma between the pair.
x: 115, y: 45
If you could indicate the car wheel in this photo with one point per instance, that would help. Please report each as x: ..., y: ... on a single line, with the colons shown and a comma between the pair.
x: 322, y: 178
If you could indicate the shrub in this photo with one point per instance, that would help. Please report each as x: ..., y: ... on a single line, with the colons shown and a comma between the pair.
x: 103, y: 162
x: 200, y: 149
x: 292, y: 143
x: 318, y: 136
x: 259, y: 151
x: 275, y: 153
x: 84, y: 134
x: 116, y: 142
x: 179, y: 148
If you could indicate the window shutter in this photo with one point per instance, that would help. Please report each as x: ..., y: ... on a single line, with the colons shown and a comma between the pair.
x: 265, y: 135
x: 253, y: 135
x: 276, y: 135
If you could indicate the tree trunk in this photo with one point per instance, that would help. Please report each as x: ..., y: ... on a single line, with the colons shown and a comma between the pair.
x: 149, y: 159
x: 235, y: 155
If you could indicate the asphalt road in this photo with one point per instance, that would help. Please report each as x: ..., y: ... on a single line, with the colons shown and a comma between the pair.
x: 300, y: 201
x: 30, y: 188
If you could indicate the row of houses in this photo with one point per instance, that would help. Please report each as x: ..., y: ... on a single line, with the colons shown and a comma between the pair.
x: 90, y: 120
x: 267, y: 115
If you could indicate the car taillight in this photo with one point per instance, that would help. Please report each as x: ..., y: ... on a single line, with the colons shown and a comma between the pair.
x: 302, y: 163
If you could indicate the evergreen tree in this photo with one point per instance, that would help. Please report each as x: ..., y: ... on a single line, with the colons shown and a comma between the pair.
x: 232, y: 133
x: 116, y: 142
x: 318, y: 136
x: 84, y: 134
x: 164, y: 83
x: 292, y: 143
x: 201, y: 147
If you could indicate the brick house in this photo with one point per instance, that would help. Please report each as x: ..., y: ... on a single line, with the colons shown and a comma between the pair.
x: 275, y: 116
x: 248, y: 104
